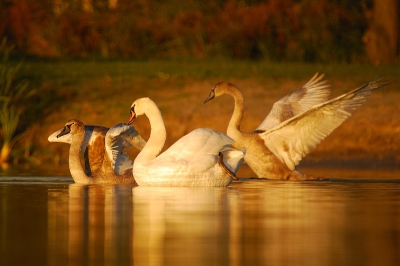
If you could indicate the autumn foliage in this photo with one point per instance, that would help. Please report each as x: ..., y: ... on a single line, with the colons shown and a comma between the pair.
x: 302, y: 30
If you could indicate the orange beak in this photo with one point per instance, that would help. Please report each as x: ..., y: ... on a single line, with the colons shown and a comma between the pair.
x: 132, y: 119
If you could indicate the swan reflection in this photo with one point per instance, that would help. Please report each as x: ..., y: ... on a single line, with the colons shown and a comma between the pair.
x: 181, y: 225
x: 93, y: 226
x: 247, y: 223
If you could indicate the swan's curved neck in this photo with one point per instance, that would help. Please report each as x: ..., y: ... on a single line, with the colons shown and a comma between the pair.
x: 236, y: 119
x: 157, y: 137
x: 75, y: 166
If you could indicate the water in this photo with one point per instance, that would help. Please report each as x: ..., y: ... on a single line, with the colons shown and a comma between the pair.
x: 51, y: 221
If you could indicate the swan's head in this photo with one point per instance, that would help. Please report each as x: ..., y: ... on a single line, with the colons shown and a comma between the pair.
x: 138, y: 108
x: 220, y: 89
x: 73, y: 126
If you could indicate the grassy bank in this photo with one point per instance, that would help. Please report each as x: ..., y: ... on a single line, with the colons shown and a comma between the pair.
x: 101, y: 92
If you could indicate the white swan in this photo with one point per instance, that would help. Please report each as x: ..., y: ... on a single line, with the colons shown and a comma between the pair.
x: 201, y: 158
x: 293, y: 127
x: 104, y: 160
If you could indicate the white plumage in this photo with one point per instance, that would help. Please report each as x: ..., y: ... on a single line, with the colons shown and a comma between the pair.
x: 194, y: 160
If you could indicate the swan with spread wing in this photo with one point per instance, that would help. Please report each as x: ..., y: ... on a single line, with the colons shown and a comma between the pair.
x: 296, y: 124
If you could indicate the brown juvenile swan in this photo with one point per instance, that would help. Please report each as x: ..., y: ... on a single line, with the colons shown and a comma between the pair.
x: 292, y: 129
x: 104, y: 160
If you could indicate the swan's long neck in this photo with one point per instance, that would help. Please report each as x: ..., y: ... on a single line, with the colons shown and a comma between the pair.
x: 75, y: 166
x: 234, y: 124
x: 157, y: 137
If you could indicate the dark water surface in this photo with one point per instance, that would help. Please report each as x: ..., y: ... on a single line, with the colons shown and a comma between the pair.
x: 51, y: 221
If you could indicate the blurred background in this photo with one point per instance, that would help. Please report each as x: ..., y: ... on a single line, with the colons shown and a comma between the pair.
x: 89, y: 59
x: 302, y: 30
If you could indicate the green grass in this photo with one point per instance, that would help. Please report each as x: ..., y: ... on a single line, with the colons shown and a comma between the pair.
x: 80, y: 72
x: 101, y: 92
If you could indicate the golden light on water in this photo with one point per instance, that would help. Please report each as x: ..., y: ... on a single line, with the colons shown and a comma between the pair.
x: 302, y: 223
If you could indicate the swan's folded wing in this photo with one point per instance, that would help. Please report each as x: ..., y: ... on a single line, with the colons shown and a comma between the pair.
x: 296, y: 137
x: 93, y: 147
x: 169, y: 164
x: 197, y: 151
x: 314, y: 92
x: 198, y: 142
x: 119, y: 137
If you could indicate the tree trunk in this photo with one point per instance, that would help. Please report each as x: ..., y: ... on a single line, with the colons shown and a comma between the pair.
x: 382, y: 38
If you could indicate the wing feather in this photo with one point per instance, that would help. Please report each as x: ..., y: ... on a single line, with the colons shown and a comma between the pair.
x: 119, y: 137
x: 199, y: 141
x: 314, y: 92
x: 296, y: 137
x: 196, y: 151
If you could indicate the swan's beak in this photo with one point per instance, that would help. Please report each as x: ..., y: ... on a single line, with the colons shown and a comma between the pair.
x: 53, y: 137
x: 210, y: 97
x: 132, y: 119
x: 64, y: 131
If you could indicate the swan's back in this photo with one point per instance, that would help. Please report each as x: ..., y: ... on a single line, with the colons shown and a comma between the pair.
x: 193, y: 161
x: 197, y: 143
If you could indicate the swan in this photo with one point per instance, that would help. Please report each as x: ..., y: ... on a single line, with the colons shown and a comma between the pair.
x: 93, y: 150
x: 296, y: 125
x: 202, y: 158
x: 104, y: 160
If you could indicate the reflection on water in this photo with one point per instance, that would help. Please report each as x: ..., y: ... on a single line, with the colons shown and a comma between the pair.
x: 52, y: 221
x: 90, y: 225
x: 185, y: 225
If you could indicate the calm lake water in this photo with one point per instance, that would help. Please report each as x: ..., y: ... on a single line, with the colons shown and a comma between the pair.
x: 351, y: 220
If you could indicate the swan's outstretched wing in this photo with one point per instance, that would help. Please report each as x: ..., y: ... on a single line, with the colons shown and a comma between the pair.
x: 313, y: 93
x: 119, y: 137
x: 197, y: 150
x: 296, y: 137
